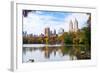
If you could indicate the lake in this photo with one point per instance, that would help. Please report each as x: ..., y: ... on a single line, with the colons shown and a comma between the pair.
x: 43, y: 53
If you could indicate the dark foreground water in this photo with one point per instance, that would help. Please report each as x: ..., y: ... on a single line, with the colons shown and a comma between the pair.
x: 55, y: 53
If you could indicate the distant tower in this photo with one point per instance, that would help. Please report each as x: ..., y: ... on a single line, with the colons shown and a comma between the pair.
x: 54, y: 32
x: 47, y: 31
x: 25, y: 34
x: 61, y: 31
x: 75, y: 25
x: 70, y: 26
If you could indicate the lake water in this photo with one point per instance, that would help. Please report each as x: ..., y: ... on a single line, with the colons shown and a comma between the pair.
x: 43, y: 53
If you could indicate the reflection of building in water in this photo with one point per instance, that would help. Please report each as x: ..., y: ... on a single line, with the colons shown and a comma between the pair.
x: 73, y: 25
x: 55, y: 52
x: 62, y: 50
x: 50, y: 50
x: 47, y: 52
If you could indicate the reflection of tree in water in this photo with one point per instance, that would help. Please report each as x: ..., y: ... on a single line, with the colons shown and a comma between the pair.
x: 24, y: 50
x: 80, y: 52
x: 75, y: 52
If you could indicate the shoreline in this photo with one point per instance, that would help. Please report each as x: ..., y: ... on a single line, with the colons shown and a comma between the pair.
x: 47, y: 45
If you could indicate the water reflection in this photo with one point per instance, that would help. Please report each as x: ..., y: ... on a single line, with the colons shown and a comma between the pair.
x: 60, y: 53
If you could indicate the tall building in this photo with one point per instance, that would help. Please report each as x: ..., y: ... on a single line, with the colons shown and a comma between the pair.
x: 73, y: 25
x: 54, y: 32
x: 25, y: 34
x: 51, y: 33
x: 47, y: 31
x: 70, y: 26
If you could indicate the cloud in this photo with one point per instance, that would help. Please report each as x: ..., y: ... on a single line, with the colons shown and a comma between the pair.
x: 81, y: 18
x: 37, y: 21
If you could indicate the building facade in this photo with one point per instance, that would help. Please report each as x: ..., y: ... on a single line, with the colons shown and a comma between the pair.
x: 73, y: 25
x: 47, y: 31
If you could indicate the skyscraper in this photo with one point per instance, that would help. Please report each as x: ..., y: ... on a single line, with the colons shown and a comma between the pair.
x: 54, y: 32
x: 47, y: 31
x: 70, y: 26
x: 73, y: 25
x: 25, y: 34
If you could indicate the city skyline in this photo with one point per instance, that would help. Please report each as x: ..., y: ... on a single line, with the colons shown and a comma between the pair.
x: 36, y: 21
x: 47, y: 32
x: 73, y: 27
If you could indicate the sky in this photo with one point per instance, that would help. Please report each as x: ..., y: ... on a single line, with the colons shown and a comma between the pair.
x: 35, y: 21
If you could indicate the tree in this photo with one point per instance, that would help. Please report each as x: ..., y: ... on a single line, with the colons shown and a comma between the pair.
x: 68, y: 38
x: 86, y: 35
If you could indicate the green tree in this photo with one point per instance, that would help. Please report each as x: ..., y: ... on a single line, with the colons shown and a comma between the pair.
x: 68, y: 38
x: 85, y: 36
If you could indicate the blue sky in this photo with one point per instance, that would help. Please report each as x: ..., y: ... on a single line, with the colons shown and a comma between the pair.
x: 36, y: 21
